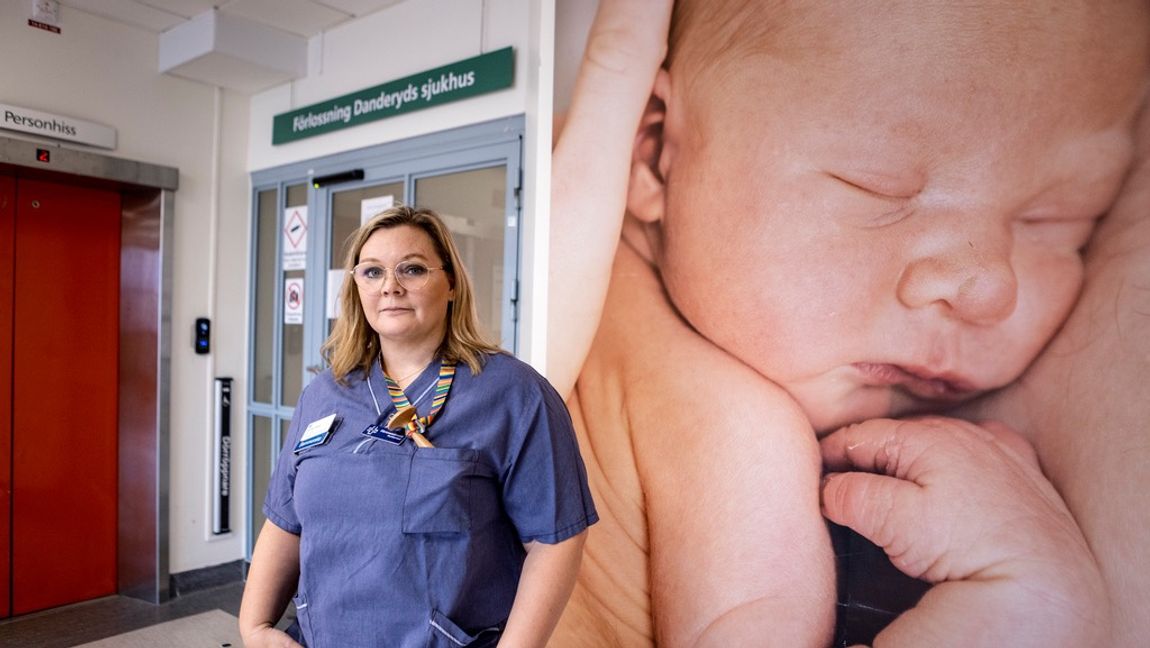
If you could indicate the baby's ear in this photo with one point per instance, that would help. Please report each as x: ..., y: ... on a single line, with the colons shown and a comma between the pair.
x: 647, y: 189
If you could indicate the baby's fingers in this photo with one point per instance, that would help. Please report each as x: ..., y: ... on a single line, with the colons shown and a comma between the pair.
x: 879, y: 508
x: 878, y: 445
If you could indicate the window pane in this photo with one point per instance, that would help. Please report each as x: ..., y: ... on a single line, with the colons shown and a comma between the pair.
x: 262, y: 461
x: 264, y: 325
x: 473, y: 204
x: 292, y: 343
x: 347, y: 208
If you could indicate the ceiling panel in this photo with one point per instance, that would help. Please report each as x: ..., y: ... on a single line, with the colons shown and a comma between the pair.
x: 185, y: 8
x: 305, y: 18
x: 128, y: 12
x: 359, y: 7
x: 301, y: 17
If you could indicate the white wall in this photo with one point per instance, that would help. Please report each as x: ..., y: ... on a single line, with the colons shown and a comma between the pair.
x: 105, y: 72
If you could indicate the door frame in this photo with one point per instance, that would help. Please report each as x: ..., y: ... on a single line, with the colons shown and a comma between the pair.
x: 146, y: 224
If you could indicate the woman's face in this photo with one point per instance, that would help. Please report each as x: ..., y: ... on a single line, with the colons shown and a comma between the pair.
x: 402, y: 316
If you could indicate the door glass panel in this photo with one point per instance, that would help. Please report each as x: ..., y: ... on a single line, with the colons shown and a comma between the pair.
x: 263, y: 459
x: 263, y: 332
x: 348, y: 209
x: 473, y: 205
x: 292, y: 345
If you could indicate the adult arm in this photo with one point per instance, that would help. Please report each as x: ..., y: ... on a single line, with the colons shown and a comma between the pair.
x: 545, y: 585
x: 272, y: 581
x: 1085, y: 403
x: 590, y: 171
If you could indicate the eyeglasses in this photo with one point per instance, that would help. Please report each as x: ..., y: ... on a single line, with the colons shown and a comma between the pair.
x: 412, y: 275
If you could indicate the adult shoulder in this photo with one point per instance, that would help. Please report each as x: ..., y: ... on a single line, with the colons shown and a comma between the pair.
x: 506, y: 366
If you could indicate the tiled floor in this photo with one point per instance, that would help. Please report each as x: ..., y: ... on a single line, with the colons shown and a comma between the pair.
x: 83, y: 622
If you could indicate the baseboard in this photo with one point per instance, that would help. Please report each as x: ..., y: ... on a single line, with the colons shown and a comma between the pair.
x: 206, y: 577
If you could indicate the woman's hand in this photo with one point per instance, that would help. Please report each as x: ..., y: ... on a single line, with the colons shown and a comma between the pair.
x: 966, y: 507
x: 268, y: 637
x: 591, y: 166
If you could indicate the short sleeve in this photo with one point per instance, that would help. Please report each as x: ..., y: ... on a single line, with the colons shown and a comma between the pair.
x: 545, y: 490
x: 279, y: 504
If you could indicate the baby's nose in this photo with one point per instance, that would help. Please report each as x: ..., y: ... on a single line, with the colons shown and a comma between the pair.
x: 974, y: 285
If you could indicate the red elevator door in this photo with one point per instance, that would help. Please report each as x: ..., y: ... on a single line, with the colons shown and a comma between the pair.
x: 59, y: 320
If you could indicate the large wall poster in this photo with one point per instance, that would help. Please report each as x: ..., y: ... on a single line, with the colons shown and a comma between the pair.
x: 838, y: 216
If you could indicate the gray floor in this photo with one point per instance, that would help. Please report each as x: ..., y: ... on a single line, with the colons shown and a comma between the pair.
x: 106, y: 617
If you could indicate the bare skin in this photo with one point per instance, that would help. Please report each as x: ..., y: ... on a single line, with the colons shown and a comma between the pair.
x: 643, y: 448
x: 650, y: 486
x: 1084, y: 403
x: 967, y: 508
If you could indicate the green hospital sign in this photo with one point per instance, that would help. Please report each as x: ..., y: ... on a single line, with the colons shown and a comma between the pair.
x: 474, y: 76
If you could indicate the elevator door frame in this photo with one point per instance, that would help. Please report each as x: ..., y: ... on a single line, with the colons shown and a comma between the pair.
x: 146, y: 224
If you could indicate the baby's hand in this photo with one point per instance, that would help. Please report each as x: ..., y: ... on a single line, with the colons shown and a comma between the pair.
x: 967, y: 508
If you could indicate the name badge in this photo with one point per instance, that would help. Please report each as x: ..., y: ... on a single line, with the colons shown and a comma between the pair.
x: 380, y: 431
x: 317, y: 432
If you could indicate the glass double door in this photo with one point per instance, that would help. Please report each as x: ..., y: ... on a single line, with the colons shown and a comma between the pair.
x: 471, y: 177
x: 473, y: 204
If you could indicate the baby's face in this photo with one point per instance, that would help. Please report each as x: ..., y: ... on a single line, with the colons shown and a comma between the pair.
x: 893, y: 222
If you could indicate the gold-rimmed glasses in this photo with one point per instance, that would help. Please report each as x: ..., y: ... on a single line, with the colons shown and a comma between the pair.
x: 411, y: 275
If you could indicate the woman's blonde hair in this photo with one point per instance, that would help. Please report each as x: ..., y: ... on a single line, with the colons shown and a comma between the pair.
x: 353, y: 344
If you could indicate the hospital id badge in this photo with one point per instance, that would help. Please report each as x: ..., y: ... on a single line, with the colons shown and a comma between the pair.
x: 317, y: 432
x: 379, y: 431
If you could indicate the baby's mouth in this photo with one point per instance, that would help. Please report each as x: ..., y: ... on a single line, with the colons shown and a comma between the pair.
x: 918, y: 382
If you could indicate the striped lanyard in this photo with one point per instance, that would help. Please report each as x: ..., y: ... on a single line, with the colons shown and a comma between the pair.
x: 442, y: 386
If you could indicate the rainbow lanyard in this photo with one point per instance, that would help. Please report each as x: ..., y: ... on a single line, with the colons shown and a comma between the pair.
x: 442, y: 386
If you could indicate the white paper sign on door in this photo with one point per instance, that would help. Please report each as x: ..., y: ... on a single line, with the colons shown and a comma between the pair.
x: 369, y: 207
x: 295, y: 238
x: 293, y: 301
x: 334, y: 283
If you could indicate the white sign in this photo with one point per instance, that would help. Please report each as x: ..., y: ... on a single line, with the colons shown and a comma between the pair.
x: 58, y: 127
x: 334, y: 284
x: 295, y: 238
x: 293, y: 301
x: 370, y: 207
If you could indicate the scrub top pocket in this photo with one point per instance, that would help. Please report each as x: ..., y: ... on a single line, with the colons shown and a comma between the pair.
x: 438, y: 496
x: 445, y: 634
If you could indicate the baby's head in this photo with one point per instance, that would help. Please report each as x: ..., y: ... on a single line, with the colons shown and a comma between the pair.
x: 880, y: 206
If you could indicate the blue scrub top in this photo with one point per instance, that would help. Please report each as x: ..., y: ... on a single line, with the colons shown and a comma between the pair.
x: 408, y: 546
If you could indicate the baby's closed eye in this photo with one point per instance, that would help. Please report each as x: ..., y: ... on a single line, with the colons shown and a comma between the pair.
x: 1063, y: 232
x: 878, y: 199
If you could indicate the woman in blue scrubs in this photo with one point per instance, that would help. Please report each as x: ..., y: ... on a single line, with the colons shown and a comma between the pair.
x: 430, y: 491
